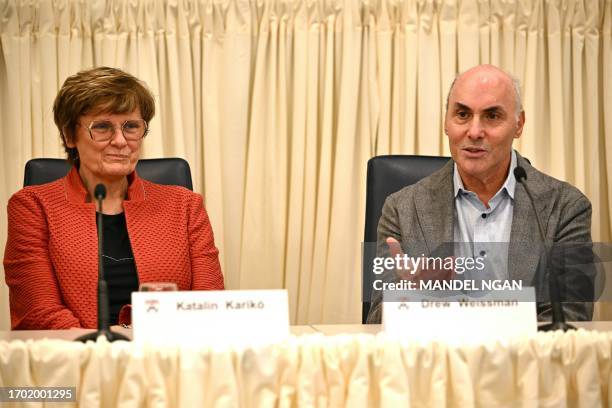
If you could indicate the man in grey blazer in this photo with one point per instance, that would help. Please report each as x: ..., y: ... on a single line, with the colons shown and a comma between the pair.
x: 475, y: 198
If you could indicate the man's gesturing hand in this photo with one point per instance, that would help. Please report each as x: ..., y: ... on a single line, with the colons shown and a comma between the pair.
x: 426, y: 270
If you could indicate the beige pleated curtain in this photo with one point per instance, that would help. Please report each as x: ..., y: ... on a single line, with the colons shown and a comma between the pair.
x: 277, y: 105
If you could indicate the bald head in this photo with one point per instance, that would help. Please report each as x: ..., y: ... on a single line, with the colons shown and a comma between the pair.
x: 486, y: 75
x: 483, y: 117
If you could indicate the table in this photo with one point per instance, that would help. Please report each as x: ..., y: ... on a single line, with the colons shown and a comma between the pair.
x: 74, y: 333
x: 321, y: 365
x: 336, y: 329
x: 298, y: 330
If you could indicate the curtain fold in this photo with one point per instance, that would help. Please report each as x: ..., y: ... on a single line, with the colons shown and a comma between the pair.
x: 278, y: 104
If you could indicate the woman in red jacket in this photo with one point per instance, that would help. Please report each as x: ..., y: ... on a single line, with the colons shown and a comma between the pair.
x: 152, y: 233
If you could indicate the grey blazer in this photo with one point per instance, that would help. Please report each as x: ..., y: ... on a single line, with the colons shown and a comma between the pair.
x: 421, y: 216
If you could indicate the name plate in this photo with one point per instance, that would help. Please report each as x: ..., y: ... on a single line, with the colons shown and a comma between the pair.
x: 458, y: 317
x: 223, y: 318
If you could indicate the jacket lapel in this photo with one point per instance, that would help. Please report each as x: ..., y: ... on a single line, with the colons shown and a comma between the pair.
x: 524, y: 236
x: 434, y: 214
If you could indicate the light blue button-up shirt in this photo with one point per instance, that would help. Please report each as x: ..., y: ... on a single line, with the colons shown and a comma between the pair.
x: 484, y: 232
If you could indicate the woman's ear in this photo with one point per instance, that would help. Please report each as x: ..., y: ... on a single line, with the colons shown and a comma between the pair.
x: 68, y: 139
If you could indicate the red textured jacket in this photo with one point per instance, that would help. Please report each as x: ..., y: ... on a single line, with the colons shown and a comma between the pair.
x: 51, y: 256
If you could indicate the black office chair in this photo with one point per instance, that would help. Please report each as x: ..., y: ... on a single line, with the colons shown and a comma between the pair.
x: 386, y: 175
x: 171, y: 171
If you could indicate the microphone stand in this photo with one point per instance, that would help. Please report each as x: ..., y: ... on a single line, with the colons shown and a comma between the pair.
x: 103, y: 306
x: 558, y: 316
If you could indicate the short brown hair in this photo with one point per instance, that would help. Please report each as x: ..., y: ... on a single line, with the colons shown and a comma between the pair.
x: 101, y: 89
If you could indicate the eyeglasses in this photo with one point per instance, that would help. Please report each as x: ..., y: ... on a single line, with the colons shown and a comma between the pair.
x: 104, y: 130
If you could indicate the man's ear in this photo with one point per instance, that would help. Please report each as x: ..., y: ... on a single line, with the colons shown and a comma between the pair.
x: 520, y: 125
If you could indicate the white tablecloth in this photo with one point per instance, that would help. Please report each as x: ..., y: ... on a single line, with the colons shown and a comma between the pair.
x: 548, y: 370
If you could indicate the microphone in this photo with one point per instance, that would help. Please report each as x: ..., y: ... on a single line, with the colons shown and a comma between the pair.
x: 558, y: 316
x: 103, y: 303
x: 100, y: 193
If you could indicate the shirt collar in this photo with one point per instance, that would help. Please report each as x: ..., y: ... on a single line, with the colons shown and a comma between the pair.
x: 76, y: 192
x: 509, y: 185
